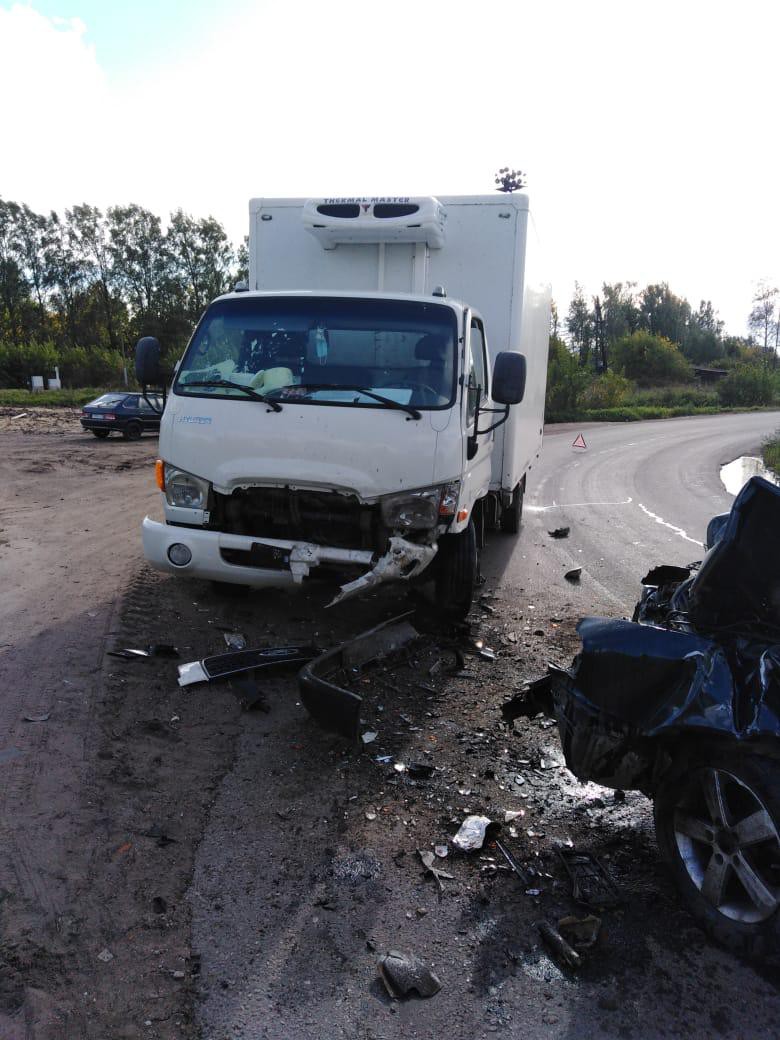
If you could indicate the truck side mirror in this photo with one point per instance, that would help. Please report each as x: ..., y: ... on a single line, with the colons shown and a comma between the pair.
x: 147, y: 361
x: 508, y: 378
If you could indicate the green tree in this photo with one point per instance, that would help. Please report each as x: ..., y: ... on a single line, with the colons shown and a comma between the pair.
x: 579, y: 325
x: 565, y: 380
x: 763, y: 320
x: 650, y: 360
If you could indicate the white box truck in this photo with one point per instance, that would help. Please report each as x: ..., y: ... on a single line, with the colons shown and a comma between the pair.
x: 368, y: 405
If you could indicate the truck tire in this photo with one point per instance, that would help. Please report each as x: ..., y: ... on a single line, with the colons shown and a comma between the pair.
x: 717, y: 819
x: 456, y: 574
x: 512, y: 515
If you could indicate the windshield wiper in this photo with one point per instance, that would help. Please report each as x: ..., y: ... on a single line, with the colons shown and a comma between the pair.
x: 237, y: 386
x: 413, y: 412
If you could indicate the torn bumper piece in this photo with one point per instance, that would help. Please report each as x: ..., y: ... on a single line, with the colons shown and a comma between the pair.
x: 402, y: 561
x: 222, y: 666
x: 334, y: 707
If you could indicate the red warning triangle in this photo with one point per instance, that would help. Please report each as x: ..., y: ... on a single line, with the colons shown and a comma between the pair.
x: 579, y: 442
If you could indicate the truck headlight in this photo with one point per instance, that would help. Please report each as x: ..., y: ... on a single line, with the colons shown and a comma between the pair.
x: 423, y: 509
x: 185, y: 490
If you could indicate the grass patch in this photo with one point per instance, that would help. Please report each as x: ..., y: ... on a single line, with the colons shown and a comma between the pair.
x: 50, y: 398
x: 771, y: 452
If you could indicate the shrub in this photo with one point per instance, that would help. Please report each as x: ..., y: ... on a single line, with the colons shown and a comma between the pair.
x: 748, y: 385
x: 771, y: 453
x: 650, y: 360
x: 565, y: 381
x: 607, y: 391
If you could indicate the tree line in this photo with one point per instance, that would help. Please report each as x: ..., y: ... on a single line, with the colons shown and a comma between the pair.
x: 642, y: 347
x: 78, y: 289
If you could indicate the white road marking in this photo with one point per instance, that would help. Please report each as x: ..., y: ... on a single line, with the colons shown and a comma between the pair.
x: 576, y: 505
x: 677, y: 530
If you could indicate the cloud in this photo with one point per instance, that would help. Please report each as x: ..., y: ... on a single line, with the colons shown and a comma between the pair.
x: 55, y: 102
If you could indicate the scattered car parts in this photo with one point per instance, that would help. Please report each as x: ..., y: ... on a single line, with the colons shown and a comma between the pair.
x: 334, y: 706
x: 221, y: 666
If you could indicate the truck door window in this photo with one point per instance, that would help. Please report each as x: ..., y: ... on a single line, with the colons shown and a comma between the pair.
x: 477, y: 368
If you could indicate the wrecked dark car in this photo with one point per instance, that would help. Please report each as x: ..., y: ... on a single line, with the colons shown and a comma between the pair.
x: 683, y: 703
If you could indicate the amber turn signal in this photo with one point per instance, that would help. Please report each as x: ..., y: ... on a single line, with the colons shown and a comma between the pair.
x: 159, y: 474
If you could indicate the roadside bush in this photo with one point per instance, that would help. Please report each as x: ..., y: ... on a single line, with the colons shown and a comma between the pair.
x: 95, y: 367
x: 19, y: 362
x: 771, y: 453
x: 686, y: 396
x: 607, y: 391
x: 565, y: 382
x: 650, y: 360
x: 748, y: 385
x: 50, y: 398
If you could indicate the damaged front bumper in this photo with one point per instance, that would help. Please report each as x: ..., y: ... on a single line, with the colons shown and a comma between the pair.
x: 266, y: 562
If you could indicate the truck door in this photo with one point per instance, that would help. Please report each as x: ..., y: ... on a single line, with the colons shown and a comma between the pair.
x: 478, y: 467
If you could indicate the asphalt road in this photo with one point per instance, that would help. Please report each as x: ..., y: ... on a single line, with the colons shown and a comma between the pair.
x: 639, y: 494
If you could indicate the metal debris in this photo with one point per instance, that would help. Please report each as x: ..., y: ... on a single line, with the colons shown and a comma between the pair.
x: 560, y: 532
x: 404, y: 973
x: 558, y: 945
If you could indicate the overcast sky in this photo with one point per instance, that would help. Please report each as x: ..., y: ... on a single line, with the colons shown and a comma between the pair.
x: 648, y: 131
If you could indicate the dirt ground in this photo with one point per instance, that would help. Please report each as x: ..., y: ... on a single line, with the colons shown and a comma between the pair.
x: 174, y: 866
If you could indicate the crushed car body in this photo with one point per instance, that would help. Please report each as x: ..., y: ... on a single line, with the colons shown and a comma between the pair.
x: 683, y: 703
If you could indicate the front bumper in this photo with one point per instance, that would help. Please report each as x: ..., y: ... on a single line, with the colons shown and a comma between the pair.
x: 208, y: 560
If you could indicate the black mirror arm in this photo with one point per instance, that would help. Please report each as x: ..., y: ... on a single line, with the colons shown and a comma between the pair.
x: 471, y: 445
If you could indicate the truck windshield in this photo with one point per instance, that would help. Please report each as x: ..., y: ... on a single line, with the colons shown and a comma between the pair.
x: 325, y: 350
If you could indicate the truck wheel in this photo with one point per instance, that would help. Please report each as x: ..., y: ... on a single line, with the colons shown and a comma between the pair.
x: 100, y: 434
x: 512, y: 514
x: 132, y: 431
x: 456, y: 573
x: 717, y: 820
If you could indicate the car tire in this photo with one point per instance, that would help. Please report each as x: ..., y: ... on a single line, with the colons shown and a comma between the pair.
x: 717, y: 820
x: 512, y: 515
x: 132, y: 432
x: 456, y: 572
x: 100, y: 434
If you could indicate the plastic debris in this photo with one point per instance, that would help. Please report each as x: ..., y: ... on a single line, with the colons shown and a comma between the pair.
x: 399, y: 767
x: 419, y: 770
x: 369, y: 736
x: 235, y: 640
x: 560, y: 532
x: 580, y: 931
x: 513, y: 814
x: 37, y: 718
x: 105, y: 956
x: 573, y: 575
x: 591, y: 885
x: 429, y: 862
x: 404, y: 973
x: 221, y: 666
x: 558, y: 945
x: 473, y: 833
x: 442, y: 851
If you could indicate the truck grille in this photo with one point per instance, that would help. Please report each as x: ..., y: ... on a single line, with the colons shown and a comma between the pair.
x: 323, y: 518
